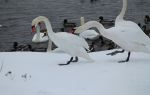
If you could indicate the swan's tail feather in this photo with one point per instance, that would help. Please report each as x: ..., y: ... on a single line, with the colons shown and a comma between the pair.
x: 83, y: 53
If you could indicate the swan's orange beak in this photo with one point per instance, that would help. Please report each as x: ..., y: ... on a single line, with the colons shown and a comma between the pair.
x: 33, y: 29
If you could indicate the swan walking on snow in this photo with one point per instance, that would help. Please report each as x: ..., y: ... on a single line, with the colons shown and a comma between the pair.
x: 69, y: 43
x: 119, y: 19
x: 127, y: 34
x: 39, y: 37
x: 129, y: 37
x: 137, y: 39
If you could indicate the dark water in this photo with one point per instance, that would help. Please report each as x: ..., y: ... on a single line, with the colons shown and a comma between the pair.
x: 16, y: 15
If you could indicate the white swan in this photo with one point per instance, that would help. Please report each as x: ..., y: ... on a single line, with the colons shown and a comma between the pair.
x: 39, y: 37
x: 128, y: 38
x: 69, y: 43
x: 136, y: 34
x: 118, y: 22
x: 127, y: 34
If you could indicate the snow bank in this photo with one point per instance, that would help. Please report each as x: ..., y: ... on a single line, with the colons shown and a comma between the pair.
x: 32, y: 73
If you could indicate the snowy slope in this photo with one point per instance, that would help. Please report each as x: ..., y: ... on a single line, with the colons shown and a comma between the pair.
x: 32, y: 73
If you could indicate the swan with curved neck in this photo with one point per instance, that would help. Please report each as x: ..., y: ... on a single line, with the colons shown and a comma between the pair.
x: 39, y: 37
x: 127, y: 34
x: 69, y: 43
x: 91, y: 24
x: 87, y: 34
x: 126, y: 37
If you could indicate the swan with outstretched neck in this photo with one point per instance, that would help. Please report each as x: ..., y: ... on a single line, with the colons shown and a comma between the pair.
x: 87, y: 34
x: 127, y: 34
x: 69, y: 43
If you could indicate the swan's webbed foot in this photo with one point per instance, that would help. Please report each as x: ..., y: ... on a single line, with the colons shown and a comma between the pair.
x: 115, y: 52
x: 71, y: 60
x: 123, y: 61
x: 76, y: 59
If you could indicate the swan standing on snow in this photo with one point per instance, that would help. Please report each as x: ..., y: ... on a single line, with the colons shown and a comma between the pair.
x: 39, y: 37
x: 139, y: 40
x: 127, y: 34
x: 118, y: 22
x: 69, y: 43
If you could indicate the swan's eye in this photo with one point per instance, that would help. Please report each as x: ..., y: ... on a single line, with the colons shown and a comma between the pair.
x: 33, y: 28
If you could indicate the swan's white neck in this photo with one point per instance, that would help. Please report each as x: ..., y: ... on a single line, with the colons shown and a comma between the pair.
x: 95, y: 24
x: 38, y: 32
x: 122, y: 13
x: 50, y: 33
x: 49, y: 28
x: 101, y: 29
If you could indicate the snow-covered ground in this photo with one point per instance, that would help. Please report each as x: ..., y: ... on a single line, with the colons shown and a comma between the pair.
x: 32, y: 73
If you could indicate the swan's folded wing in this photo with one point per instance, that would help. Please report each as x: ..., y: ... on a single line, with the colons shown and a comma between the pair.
x: 126, y: 23
x: 131, y: 34
x: 72, y: 39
